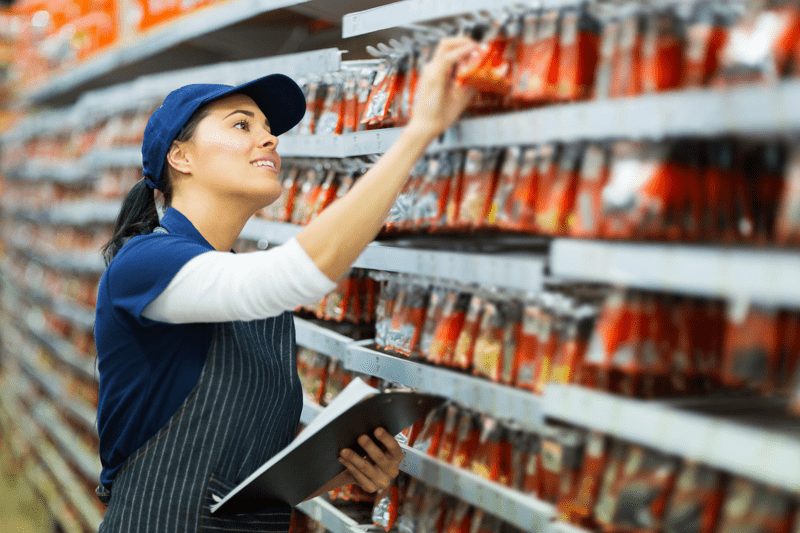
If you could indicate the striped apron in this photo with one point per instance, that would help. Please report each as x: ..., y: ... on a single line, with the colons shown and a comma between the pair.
x: 244, y: 408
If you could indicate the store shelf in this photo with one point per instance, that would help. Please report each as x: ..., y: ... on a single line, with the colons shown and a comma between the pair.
x: 310, y: 411
x: 86, y: 461
x: 321, y: 339
x: 41, y: 482
x: 84, y: 212
x: 120, y: 157
x: 64, y: 172
x: 701, y: 270
x: 346, y: 145
x: 327, y: 514
x: 258, y: 229
x: 521, y: 510
x: 482, y: 395
x: 746, y: 440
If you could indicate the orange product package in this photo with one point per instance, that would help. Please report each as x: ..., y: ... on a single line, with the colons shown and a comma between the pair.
x: 587, y: 220
x: 684, y: 371
x: 787, y: 224
x: 550, y: 462
x: 401, y: 213
x: 281, y: 209
x: 577, y: 329
x: 338, y: 379
x: 710, y: 341
x: 407, y: 319
x: 789, y: 361
x: 695, y: 502
x: 499, y: 213
x: 392, y: 117
x: 384, y: 309
x: 478, y: 184
x: 766, y: 164
x: 751, y: 507
x: 488, y: 68
x: 550, y: 332
x: 554, y: 211
x: 752, y: 348
x: 325, y: 196
x: 453, y: 205
x: 384, y: 96
x: 447, y: 443
x: 416, y: 60
x: 460, y: 518
x: 517, y: 213
x: 341, y: 299
x: 314, y: 92
x: 519, y: 457
x: 577, y: 506
x: 718, y: 221
x: 626, y: 77
x: 397, y: 318
x: 662, y: 51
x: 429, y: 209
x: 433, y: 316
x: 526, y: 356
x: 573, y: 443
x: 465, y: 345
x: 387, y: 503
x: 448, y: 328
x: 626, y: 367
x: 313, y: 370
x: 538, y: 78
x: 760, y: 45
x: 357, y: 87
x: 656, y: 348
x: 488, y: 351
x: 308, y: 187
x: 706, y: 35
x: 331, y: 117
x: 431, y: 434
x: 613, y: 325
x: 607, y: 60
x: 525, y: 54
x: 468, y: 435
x: 580, y: 42
x: 547, y: 171
x: 488, y: 458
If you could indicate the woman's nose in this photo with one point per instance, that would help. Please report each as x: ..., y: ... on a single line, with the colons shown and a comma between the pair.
x: 269, y: 140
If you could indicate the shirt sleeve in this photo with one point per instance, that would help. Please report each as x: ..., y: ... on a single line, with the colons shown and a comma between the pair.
x: 143, y: 268
x: 221, y: 287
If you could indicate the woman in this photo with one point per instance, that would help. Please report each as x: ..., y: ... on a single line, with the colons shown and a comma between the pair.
x: 198, y: 380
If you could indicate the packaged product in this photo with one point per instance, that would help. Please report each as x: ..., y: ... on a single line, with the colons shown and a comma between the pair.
x: 549, y: 339
x: 608, y: 60
x: 586, y: 220
x: 532, y: 468
x: 432, y: 511
x: 577, y: 328
x: 662, y: 51
x: 452, y: 211
x: 416, y: 60
x: 511, y: 334
x: 310, y: 188
x: 554, y: 211
x: 281, y: 209
x: 787, y: 225
x: 548, y: 171
x: 710, y: 341
x: 538, y: 76
x: 465, y: 345
x: 384, y: 309
x: 433, y: 316
x: 408, y: 319
x: 578, y: 506
x: 760, y: 45
x: 684, y: 372
x: 518, y: 213
x: 429, y: 209
x: 338, y: 379
x: 752, y: 348
x: 342, y: 299
x: 376, y: 104
x: 489, y: 66
x: 447, y: 444
x: 579, y: 48
x: 356, y: 96
x: 409, y: 518
x: 390, y: 115
x: 683, y: 220
x: 766, y: 164
x: 706, y: 35
x: 325, y: 196
x: 468, y: 435
x: 519, y: 458
x: 402, y: 211
x: 387, y: 503
x: 478, y: 184
x: 506, y: 184
x: 626, y: 366
x: 495, y: 341
x: 695, y: 502
x: 448, y: 328
x: 613, y: 325
x: 331, y: 118
x: 487, y: 458
x: 572, y: 443
x: 526, y: 54
x: 655, y: 348
x: 751, y: 507
x: 314, y: 373
x: 526, y: 357
x: 626, y: 77
x: 460, y: 518
x: 313, y: 90
x: 551, y: 456
x: 429, y: 438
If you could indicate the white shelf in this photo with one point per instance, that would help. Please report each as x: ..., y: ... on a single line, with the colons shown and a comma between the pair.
x: 84, y: 212
x: 499, y: 401
x: 758, y: 275
x: 258, y: 229
x: 759, y: 446
x: 310, y: 411
x: 327, y: 514
x: 321, y: 339
x: 65, y: 172
x: 87, y: 462
x: 520, y: 509
x: 120, y: 157
x: 346, y: 145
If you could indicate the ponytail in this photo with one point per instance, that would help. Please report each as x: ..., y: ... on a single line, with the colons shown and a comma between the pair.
x: 138, y: 216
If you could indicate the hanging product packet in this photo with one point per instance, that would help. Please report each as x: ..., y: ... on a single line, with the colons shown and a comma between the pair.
x: 384, y: 309
x: 607, y: 495
x: 550, y: 333
x: 418, y: 57
x: 387, y: 503
x: 313, y: 371
x: 518, y: 213
x: 760, y: 45
x: 448, y: 329
x: 314, y: 91
x: 695, y: 502
x: 375, y: 105
x: 684, y: 375
x: 408, y: 521
x: 468, y: 436
x: 478, y: 184
x: 752, y: 348
x: 551, y: 454
x: 787, y: 224
x: 613, y: 325
x: 338, y: 300
x: 767, y: 165
x: 547, y: 173
x: 309, y: 192
x: 357, y: 89
x: 554, y: 211
x: 751, y: 507
x: 607, y: 60
x: 511, y: 334
x: 578, y: 326
x: 433, y: 316
x: 331, y: 118
x: 706, y: 35
x: 573, y: 442
x: 626, y: 367
x: 486, y: 460
x: 460, y: 518
x: 579, y: 50
x: 398, y: 316
x: 655, y: 348
x: 526, y: 356
x: 402, y: 210
x: 447, y: 443
x: 491, y: 339
x: 429, y: 209
x: 465, y: 344
x: 662, y: 51
x: 499, y: 213
x: 429, y: 438
x: 488, y: 68
x: 525, y: 54
x: 519, y: 457
x: 626, y: 77
x: 411, y: 328
x: 685, y: 217
x: 538, y: 78
x: 325, y: 196
x: 282, y: 211
x: 338, y: 379
x: 391, y: 116
x: 453, y: 206
x: 577, y: 507
x: 587, y: 221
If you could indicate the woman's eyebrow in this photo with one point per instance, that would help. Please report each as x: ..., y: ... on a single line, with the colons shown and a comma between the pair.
x: 246, y: 112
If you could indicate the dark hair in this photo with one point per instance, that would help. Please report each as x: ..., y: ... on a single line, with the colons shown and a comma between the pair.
x: 138, y: 214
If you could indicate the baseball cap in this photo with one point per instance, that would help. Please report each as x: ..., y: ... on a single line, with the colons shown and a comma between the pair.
x: 278, y: 96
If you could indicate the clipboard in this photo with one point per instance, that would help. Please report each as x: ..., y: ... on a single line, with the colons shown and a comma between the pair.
x: 314, y: 462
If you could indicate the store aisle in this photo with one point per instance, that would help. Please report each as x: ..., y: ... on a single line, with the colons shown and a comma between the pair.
x: 21, y: 509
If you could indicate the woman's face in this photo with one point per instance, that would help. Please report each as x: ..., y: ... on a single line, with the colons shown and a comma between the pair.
x: 232, y: 152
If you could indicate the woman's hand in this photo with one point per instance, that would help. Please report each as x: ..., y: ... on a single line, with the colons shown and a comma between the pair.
x: 377, y: 471
x: 439, y: 100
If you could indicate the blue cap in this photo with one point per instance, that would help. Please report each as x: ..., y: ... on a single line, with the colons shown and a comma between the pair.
x: 278, y: 97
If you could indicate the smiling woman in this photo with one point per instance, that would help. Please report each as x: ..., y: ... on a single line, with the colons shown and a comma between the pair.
x: 196, y: 347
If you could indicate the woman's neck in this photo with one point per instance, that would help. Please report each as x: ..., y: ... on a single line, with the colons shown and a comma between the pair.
x: 219, y: 222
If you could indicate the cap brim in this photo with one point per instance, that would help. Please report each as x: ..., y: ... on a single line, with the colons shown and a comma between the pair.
x: 279, y: 98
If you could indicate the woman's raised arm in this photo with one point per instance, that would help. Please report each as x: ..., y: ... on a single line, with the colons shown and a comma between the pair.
x: 338, y: 235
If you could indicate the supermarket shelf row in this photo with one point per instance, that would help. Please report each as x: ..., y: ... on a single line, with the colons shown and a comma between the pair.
x: 722, y: 434
x: 328, y: 514
x: 81, y: 262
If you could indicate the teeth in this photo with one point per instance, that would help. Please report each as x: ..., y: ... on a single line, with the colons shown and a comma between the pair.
x: 264, y: 164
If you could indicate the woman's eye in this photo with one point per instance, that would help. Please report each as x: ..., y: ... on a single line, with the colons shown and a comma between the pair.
x: 242, y: 125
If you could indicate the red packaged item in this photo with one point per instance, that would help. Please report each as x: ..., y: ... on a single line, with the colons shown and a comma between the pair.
x: 434, y: 189
x: 787, y: 225
x: 452, y: 211
x: 468, y: 436
x: 489, y: 456
x: 718, y: 221
x: 488, y: 67
x: 656, y: 348
x: 572, y: 449
x: 526, y: 54
x: 789, y: 362
x: 706, y: 36
x: 487, y: 360
x: 580, y: 41
x: 626, y: 366
x: 752, y: 348
x: 416, y: 60
x: 608, y: 494
x: 550, y: 455
x: 531, y: 468
x: 313, y: 371
x: 578, y: 508
x: 760, y: 45
x: 357, y: 88
x: 518, y: 213
x: 609, y: 58
x: 447, y: 444
x: 696, y: 501
x: 483, y: 522
x: 764, y: 168
x: 387, y: 503
x: 465, y: 345
x: 499, y: 213
x: 511, y: 335
x: 751, y: 507
x: 478, y: 184
x: 460, y: 518
x: 337, y: 380
x: 325, y: 196
x: 587, y: 219
x: 433, y: 316
x: 331, y: 118
x: 662, y: 51
x: 337, y: 302
x: 554, y: 212
x: 391, y: 117
x: 314, y: 99
x: 577, y: 330
x: 519, y: 458
x: 429, y: 438
x: 379, y: 96
x: 613, y: 326
x: 526, y: 356
x: 401, y: 213
x: 626, y: 77
x: 550, y: 331
x: 548, y: 171
x: 538, y: 76
x: 384, y: 310
x: 407, y: 320
x: 308, y: 194
x: 448, y: 329
x: 684, y: 375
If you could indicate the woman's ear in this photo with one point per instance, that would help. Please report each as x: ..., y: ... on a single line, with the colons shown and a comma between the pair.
x: 178, y: 157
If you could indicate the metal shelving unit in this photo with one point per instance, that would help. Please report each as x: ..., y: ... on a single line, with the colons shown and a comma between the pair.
x: 326, y: 513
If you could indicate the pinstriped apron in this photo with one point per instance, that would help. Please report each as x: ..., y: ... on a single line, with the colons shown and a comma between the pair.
x: 244, y: 408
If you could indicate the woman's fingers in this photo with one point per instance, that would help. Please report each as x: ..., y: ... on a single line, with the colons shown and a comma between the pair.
x: 368, y: 476
x: 361, y: 478
x: 377, y: 470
